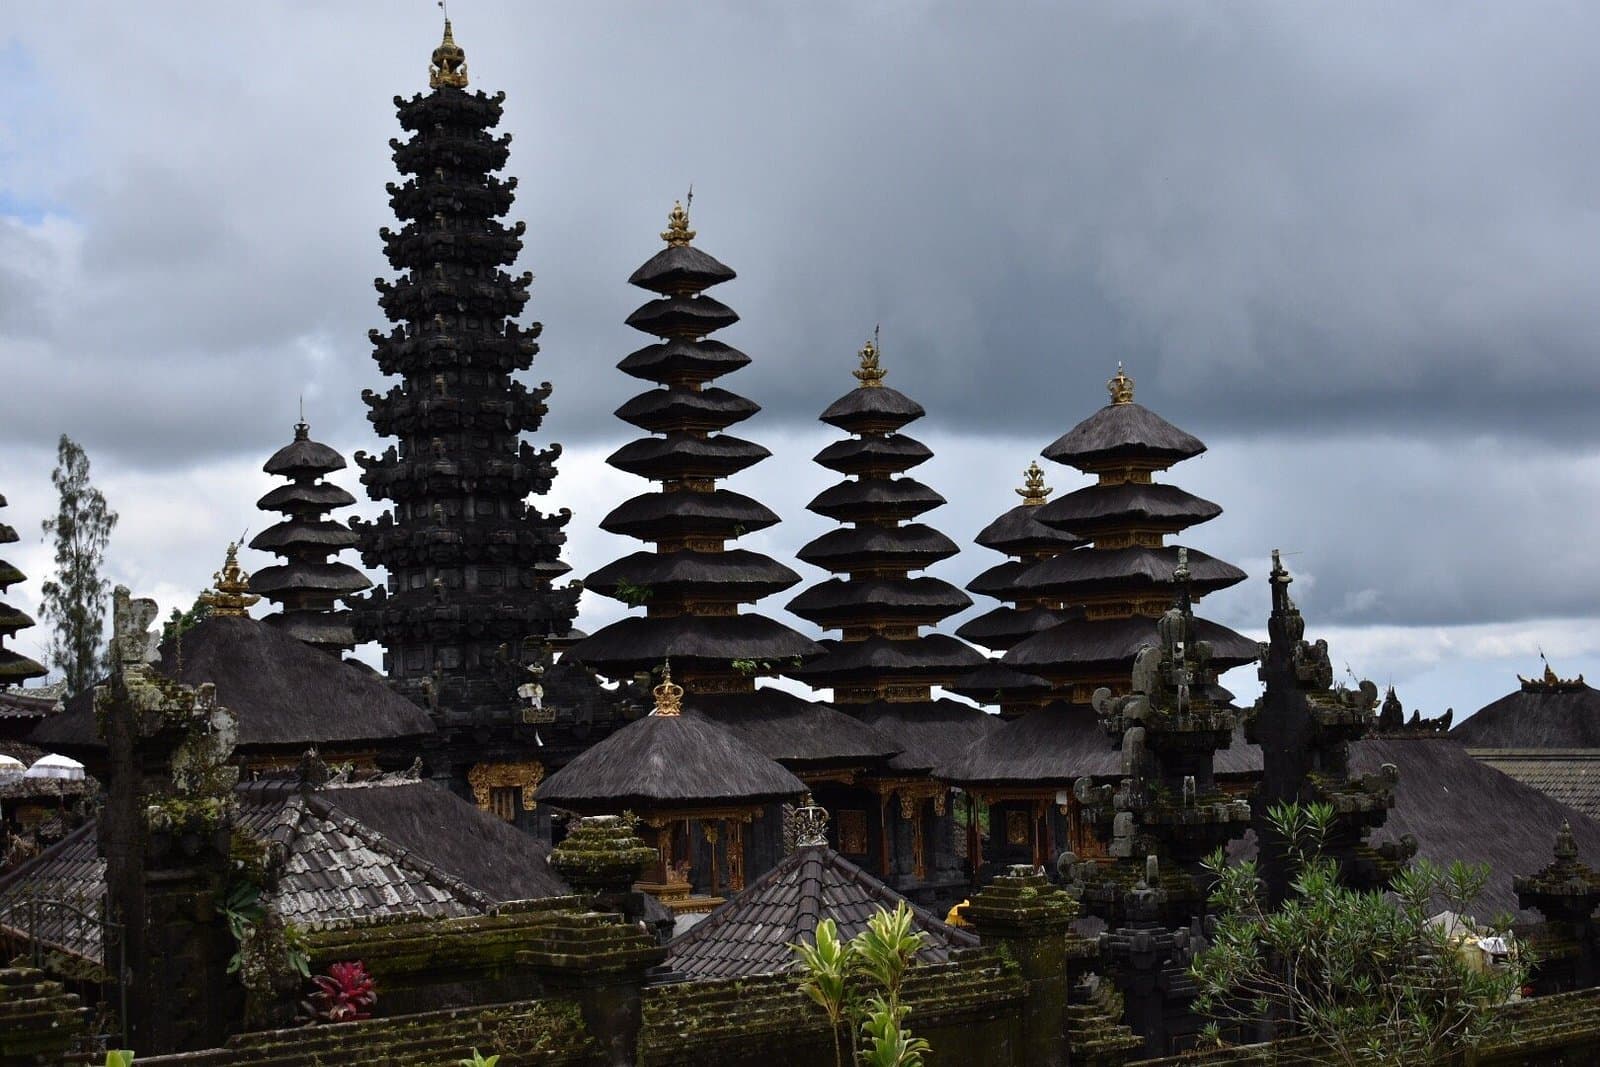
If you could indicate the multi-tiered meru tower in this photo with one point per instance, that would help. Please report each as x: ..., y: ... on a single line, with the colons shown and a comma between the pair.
x: 692, y: 584
x: 15, y: 668
x: 1123, y: 583
x: 308, y: 584
x: 1020, y: 535
x: 469, y: 603
x: 883, y: 667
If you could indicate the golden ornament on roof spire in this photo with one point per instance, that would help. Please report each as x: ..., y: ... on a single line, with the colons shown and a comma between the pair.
x: 1033, y: 492
x: 1121, y: 387
x: 870, y: 374
x: 669, y: 694
x: 230, y: 594
x: 677, y: 234
x: 449, y: 67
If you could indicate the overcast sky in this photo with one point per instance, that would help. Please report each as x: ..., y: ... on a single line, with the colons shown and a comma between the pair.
x: 1354, y: 247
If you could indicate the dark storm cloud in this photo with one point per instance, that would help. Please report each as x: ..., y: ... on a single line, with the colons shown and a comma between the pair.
x: 1281, y: 216
x: 1355, y: 247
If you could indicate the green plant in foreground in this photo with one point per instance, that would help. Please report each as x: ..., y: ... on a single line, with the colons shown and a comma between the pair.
x: 479, y: 1060
x: 1366, y: 973
x: 119, y: 1057
x: 827, y: 964
x: 881, y: 954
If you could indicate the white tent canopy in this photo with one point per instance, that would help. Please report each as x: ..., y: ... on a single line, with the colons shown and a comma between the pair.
x: 10, y: 767
x: 54, y: 766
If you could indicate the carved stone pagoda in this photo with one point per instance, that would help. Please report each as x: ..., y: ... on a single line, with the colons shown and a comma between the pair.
x: 309, y: 583
x: 1020, y: 535
x: 1121, y: 582
x: 1305, y: 726
x: 469, y: 605
x: 1168, y: 813
x: 691, y: 584
x: 15, y: 668
x: 1566, y: 892
x: 883, y: 668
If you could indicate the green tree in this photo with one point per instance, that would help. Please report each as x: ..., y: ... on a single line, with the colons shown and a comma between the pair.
x: 1366, y: 973
x: 881, y: 953
x: 181, y: 622
x: 75, y: 597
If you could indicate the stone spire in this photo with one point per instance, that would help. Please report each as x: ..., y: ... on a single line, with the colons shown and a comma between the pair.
x: 309, y: 582
x: 469, y: 604
x: 15, y: 668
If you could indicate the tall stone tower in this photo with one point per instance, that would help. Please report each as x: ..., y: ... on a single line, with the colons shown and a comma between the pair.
x: 469, y: 604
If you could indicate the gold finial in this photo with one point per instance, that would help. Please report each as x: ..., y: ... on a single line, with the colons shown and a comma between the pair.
x: 1121, y: 387
x: 1033, y: 491
x: 870, y: 374
x: 669, y: 695
x: 449, y: 67
x: 230, y: 594
x: 677, y: 234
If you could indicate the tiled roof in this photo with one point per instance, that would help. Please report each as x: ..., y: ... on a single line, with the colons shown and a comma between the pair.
x: 1571, y: 776
x: 750, y: 934
x: 330, y: 865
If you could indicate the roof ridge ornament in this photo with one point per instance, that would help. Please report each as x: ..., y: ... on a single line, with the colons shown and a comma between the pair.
x: 870, y: 374
x: 810, y: 824
x: 677, y: 234
x: 448, y: 69
x: 669, y: 694
x: 1033, y: 492
x: 230, y: 595
x: 1120, y: 385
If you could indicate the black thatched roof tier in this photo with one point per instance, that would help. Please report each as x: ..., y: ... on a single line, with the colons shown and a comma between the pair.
x: 688, y: 317
x: 874, y: 455
x: 337, y: 578
x: 838, y: 602
x: 1097, y: 508
x: 663, y: 762
x: 304, y: 458
x: 909, y: 547
x: 651, y: 516
x: 1458, y: 808
x: 678, y: 408
x: 1135, y: 570
x: 637, y: 643
x: 736, y: 575
x: 930, y: 734
x: 1020, y: 532
x: 932, y: 657
x: 328, y: 629
x: 286, y: 694
x: 1004, y: 626
x: 476, y: 846
x: 1108, y: 643
x: 872, y: 411
x: 680, y: 269
x: 801, y: 734
x: 993, y: 682
x: 875, y: 498
x: 997, y: 581
x: 681, y: 360
x: 1052, y: 746
x: 1057, y: 745
x: 324, y: 534
x: 1536, y: 717
x: 1121, y: 432
x: 687, y: 455
x: 322, y: 496
x: 15, y: 668
x: 751, y: 933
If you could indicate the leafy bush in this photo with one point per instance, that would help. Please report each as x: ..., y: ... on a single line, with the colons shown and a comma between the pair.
x: 833, y: 969
x: 1366, y: 973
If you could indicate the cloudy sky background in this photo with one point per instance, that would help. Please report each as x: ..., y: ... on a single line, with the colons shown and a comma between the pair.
x: 1355, y: 248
